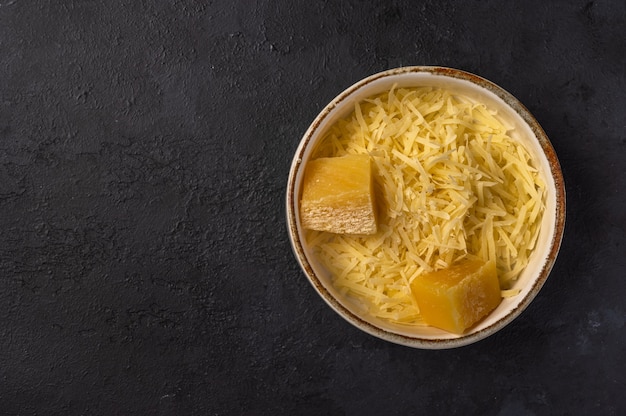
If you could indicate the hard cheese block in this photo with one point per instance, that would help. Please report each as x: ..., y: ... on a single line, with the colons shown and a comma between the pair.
x: 337, y: 195
x: 458, y: 297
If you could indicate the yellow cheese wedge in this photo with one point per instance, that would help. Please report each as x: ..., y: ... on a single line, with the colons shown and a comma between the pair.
x: 337, y: 195
x: 458, y: 297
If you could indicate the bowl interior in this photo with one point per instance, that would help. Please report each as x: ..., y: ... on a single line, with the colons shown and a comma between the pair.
x: 525, y: 129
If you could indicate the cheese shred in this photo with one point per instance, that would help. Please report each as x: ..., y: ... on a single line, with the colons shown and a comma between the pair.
x: 451, y: 183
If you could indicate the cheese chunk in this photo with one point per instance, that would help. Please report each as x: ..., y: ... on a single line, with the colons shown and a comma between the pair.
x: 337, y: 195
x: 459, y: 296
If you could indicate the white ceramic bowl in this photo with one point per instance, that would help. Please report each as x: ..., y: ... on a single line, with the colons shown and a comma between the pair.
x: 527, y: 130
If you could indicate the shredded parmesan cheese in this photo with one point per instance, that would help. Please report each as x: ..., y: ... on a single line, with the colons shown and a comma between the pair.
x: 451, y: 184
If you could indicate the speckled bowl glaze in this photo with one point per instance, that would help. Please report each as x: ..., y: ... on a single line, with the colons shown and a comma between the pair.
x: 527, y: 130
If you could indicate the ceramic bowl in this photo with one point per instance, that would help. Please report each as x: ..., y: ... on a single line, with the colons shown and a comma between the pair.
x: 528, y: 131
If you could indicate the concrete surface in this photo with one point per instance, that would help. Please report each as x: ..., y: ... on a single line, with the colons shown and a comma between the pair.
x: 144, y: 260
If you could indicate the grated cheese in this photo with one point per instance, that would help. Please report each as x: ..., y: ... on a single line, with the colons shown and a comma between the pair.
x: 451, y: 184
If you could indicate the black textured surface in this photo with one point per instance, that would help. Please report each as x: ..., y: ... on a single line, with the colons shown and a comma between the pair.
x: 144, y: 260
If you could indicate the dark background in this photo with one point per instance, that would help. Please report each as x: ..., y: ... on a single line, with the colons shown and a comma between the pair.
x: 144, y: 261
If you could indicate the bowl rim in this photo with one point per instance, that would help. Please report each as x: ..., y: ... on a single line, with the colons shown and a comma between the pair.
x: 556, y: 238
